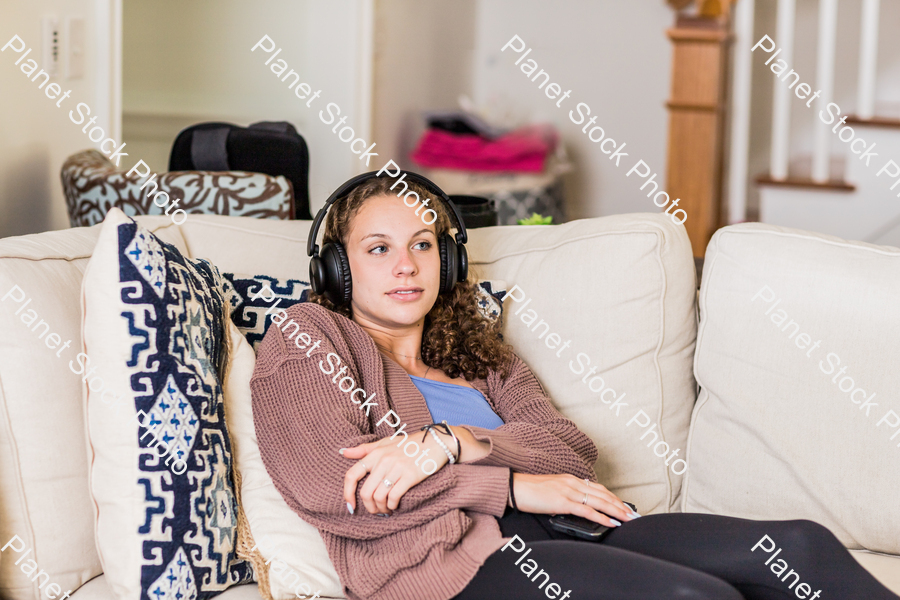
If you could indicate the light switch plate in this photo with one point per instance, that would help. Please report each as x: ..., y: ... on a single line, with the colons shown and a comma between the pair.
x: 75, y: 47
x: 50, y: 45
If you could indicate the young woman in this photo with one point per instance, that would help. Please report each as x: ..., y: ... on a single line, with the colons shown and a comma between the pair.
x: 339, y: 403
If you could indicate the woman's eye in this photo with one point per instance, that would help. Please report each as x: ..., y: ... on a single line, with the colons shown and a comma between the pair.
x: 423, y: 245
x: 378, y: 249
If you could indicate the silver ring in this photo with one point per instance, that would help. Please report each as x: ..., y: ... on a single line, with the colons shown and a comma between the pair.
x: 585, y: 498
x: 388, y: 483
x: 587, y: 482
x: 364, y: 466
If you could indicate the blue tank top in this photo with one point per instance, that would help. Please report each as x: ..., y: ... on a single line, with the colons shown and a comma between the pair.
x: 456, y: 404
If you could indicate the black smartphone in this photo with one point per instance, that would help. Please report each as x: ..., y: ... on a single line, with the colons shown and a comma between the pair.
x: 579, y: 527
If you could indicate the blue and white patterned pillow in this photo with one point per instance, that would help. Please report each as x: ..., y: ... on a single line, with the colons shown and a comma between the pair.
x: 162, y: 473
x: 252, y: 299
x: 490, y: 298
x: 256, y: 295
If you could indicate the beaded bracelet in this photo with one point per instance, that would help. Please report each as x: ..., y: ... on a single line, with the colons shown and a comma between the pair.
x: 455, y: 439
x: 442, y: 445
x: 445, y: 429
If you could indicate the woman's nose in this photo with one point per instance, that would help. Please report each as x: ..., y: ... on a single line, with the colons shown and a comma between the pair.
x: 405, y: 264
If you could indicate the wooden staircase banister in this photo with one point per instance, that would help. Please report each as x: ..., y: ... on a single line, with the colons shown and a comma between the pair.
x: 697, y: 106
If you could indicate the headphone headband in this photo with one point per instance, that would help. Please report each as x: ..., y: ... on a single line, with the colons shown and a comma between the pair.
x: 461, y: 236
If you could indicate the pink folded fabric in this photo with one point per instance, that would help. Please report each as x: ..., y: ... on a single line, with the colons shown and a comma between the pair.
x: 523, y: 150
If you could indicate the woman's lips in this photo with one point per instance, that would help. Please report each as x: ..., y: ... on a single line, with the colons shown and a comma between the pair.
x: 406, y: 295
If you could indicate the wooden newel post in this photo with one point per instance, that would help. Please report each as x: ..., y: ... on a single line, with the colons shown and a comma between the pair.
x: 697, y: 117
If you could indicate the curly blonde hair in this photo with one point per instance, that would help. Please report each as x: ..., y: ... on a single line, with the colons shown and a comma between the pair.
x: 457, y: 338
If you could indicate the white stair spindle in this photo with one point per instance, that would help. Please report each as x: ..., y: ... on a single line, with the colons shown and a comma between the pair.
x: 740, y: 107
x: 825, y: 82
x: 781, y: 110
x: 868, y: 58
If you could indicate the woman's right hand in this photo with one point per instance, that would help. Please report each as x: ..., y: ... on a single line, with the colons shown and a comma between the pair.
x: 563, y: 495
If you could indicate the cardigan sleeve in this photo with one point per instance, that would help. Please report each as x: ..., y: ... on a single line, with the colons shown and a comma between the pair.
x: 302, y: 419
x: 535, y: 438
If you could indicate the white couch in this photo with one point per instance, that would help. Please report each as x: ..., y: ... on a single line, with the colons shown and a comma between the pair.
x: 770, y: 436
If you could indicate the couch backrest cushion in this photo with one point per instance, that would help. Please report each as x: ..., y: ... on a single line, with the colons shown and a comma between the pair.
x: 161, y: 460
x: 620, y: 290
x: 797, y: 361
x: 93, y: 185
x: 249, y: 246
x: 44, y: 498
x: 604, y: 314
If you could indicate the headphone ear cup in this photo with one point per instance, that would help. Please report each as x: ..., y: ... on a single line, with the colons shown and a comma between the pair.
x: 337, y: 282
x: 463, y: 263
x: 317, y: 275
x: 449, y: 262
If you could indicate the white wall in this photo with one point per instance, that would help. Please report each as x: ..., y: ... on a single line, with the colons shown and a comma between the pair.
x: 188, y: 62
x: 761, y: 90
x: 429, y: 52
x: 615, y: 57
x: 185, y: 62
x: 190, y: 59
x: 888, y: 88
x: 36, y: 136
x: 423, y: 60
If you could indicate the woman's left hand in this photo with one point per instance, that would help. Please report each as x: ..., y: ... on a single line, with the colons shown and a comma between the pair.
x: 385, y: 460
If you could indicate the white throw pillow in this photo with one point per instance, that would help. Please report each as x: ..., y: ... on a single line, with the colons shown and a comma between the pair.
x: 299, y: 564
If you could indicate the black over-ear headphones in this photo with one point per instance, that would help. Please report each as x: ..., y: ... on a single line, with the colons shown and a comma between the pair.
x: 329, y: 272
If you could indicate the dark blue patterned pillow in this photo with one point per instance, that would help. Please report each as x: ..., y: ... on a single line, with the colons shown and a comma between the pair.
x: 255, y: 296
x: 162, y: 474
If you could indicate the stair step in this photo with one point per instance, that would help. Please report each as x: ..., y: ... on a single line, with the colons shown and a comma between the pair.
x: 874, y: 122
x: 805, y: 182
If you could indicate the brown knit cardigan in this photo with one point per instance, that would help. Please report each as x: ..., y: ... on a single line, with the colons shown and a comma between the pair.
x: 444, y: 528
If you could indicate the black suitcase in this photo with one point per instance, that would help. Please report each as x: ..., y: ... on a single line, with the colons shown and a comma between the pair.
x: 273, y: 148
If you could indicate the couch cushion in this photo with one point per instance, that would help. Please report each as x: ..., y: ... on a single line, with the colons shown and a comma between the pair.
x: 603, y: 313
x: 796, y: 359
x: 98, y: 589
x: 44, y: 498
x: 632, y: 316
x: 886, y: 569
x: 161, y: 458
x: 244, y: 245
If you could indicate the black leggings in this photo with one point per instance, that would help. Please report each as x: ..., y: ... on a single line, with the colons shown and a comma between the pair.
x: 676, y: 555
